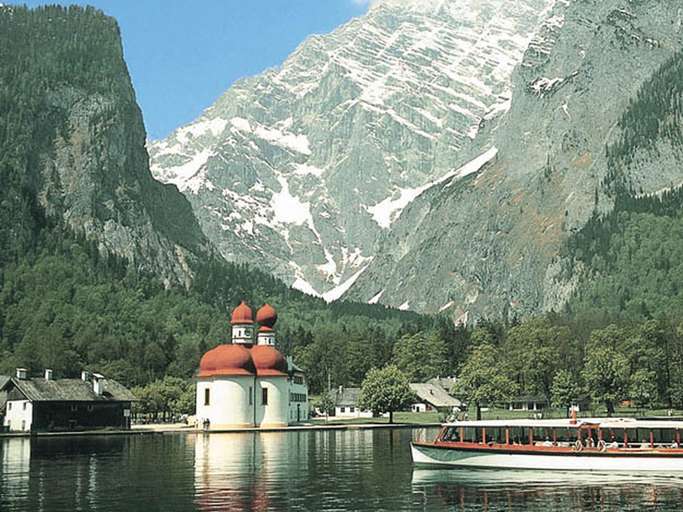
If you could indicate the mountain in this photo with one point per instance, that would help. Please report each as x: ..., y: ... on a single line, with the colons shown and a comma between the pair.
x: 72, y: 145
x: 101, y: 266
x: 301, y: 169
x: 490, y: 244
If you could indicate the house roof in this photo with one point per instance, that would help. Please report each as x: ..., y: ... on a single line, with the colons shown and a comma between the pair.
x: 445, y: 383
x: 4, y: 379
x: 70, y: 390
x: 347, y: 397
x: 434, y: 395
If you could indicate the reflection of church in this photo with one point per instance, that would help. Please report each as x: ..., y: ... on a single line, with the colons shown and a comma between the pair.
x: 247, y: 384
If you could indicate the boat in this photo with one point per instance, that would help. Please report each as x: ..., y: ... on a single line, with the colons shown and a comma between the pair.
x: 592, y: 444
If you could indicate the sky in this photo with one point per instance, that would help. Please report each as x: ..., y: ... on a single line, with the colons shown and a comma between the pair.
x: 182, y: 54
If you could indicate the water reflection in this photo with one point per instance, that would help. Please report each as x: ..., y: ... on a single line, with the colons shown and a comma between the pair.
x: 493, y: 490
x: 299, y: 471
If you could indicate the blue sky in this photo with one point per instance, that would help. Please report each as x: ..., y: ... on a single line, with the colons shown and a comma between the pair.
x: 183, y: 54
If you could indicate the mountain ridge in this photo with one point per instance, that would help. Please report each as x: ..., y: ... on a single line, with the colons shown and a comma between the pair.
x: 301, y: 168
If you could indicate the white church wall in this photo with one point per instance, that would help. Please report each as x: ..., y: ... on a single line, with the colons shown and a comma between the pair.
x: 274, y: 413
x: 230, y: 402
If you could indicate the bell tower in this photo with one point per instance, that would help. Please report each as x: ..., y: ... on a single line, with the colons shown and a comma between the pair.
x: 242, y: 325
x: 266, y: 317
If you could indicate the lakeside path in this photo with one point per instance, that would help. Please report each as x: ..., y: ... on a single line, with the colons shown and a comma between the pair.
x: 181, y: 428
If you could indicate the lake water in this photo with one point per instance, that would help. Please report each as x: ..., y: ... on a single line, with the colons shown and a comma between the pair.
x: 340, y: 471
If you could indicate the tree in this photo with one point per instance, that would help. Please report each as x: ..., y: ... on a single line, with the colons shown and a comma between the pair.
x: 564, y: 390
x: 421, y: 356
x: 643, y: 388
x: 533, y: 353
x: 385, y: 390
x: 606, y: 375
x: 326, y: 404
x: 483, y: 379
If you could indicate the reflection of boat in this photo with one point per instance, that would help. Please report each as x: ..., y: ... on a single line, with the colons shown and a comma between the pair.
x: 514, y: 479
x: 568, y: 445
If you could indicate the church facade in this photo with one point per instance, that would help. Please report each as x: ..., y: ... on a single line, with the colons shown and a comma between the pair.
x: 248, y: 382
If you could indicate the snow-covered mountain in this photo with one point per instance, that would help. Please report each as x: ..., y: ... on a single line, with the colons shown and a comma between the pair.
x: 301, y: 169
x: 491, y: 244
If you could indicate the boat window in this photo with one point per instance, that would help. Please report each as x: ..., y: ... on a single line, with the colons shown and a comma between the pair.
x: 451, y: 434
x: 518, y: 435
x: 472, y: 434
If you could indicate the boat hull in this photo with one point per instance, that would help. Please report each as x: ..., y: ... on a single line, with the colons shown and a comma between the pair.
x: 432, y: 455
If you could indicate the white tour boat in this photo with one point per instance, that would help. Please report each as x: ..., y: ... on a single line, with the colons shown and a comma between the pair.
x: 612, y: 444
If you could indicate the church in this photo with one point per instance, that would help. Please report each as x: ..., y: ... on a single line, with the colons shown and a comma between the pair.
x: 245, y: 384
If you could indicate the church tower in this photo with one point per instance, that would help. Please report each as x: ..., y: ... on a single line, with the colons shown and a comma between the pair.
x: 242, y: 325
x: 266, y: 317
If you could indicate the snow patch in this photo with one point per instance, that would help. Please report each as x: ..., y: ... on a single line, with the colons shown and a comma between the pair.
x: 304, y: 286
x: 375, y: 299
x: 186, y: 176
x: 542, y: 86
x: 308, y: 170
x: 241, y: 124
x: 338, y: 291
x: 287, y: 208
x: 297, y: 143
x: 446, y: 306
x: 386, y: 212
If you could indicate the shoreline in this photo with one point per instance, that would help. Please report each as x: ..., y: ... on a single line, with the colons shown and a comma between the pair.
x: 171, y: 429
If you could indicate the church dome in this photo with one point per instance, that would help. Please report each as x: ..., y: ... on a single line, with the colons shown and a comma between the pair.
x: 242, y: 315
x: 268, y: 361
x: 266, y: 316
x: 227, y: 360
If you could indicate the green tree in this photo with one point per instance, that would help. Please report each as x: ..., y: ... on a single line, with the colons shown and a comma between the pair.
x: 565, y: 390
x: 533, y: 349
x: 606, y: 375
x: 483, y: 378
x: 421, y: 356
x: 642, y: 388
x: 325, y: 403
x: 385, y: 390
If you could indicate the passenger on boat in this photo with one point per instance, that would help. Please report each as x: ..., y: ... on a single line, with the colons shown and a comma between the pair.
x: 547, y: 442
x: 644, y: 445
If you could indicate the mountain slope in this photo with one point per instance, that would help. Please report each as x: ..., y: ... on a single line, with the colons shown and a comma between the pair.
x: 72, y: 145
x: 302, y: 168
x: 489, y: 244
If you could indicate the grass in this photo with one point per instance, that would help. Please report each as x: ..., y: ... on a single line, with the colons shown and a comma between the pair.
x: 409, y: 418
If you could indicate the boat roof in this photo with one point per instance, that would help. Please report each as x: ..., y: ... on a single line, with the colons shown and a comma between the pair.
x: 604, y: 423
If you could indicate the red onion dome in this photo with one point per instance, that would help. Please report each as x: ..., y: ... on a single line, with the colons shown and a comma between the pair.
x: 227, y: 360
x: 242, y: 315
x: 266, y: 316
x: 268, y: 361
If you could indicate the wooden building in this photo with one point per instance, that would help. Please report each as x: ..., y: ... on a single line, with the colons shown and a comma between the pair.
x: 46, y: 404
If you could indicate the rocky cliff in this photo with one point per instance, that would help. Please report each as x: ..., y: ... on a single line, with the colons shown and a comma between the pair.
x: 488, y: 244
x: 303, y: 168
x: 73, y: 143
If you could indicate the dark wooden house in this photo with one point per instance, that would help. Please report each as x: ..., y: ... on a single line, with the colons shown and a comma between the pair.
x: 47, y: 404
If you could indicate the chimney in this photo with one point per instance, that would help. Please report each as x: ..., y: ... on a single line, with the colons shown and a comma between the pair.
x: 22, y: 373
x: 98, y: 384
x: 48, y: 374
x: 85, y: 376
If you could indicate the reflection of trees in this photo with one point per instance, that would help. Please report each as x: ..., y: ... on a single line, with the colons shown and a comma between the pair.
x: 101, y: 472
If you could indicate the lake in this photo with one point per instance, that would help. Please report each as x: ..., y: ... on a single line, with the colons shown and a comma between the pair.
x: 311, y: 470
